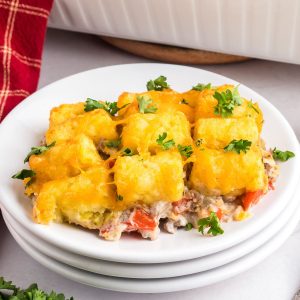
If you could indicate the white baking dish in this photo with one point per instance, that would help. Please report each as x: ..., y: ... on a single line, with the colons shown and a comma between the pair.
x: 267, y: 29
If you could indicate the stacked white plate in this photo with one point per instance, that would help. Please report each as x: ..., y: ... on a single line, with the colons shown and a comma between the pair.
x: 181, y: 261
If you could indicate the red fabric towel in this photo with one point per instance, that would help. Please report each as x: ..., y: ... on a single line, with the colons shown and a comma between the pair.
x: 22, y: 32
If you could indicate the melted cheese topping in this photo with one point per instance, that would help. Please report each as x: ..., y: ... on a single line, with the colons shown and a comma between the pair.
x: 96, y: 124
x: 217, y: 133
x: 75, y: 184
x: 166, y: 101
x: 142, y: 130
x: 72, y: 197
x: 216, y: 172
x: 147, y: 179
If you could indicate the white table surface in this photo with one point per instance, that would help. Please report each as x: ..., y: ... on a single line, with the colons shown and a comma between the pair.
x: 277, y: 277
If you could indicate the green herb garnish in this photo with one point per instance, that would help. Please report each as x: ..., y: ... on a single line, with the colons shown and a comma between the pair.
x: 166, y: 145
x: 9, y: 291
x: 212, y: 223
x: 127, y: 152
x: 226, y: 102
x: 110, y: 107
x: 158, y: 84
x: 201, y: 86
x: 119, y: 198
x: 238, y: 146
x: 186, y: 151
x: 282, y: 155
x: 113, y: 143
x: 38, y: 150
x: 146, y: 106
x: 189, y: 226
x: 250, y: 104
x: 24, y: 174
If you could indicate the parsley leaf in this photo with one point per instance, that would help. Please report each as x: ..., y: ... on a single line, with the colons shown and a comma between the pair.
x: 127, y: 152
x: 282, y: 155
x: 31, y: 293
x: 189, y: 226
x: 250, y: 104
x: 166, y: 145
x: 201, y: 87
x: 158, y: 84
x: 110, y: 107
x: 211, y: 222
x: 186, y: 151
x: 38, y: 150
x: 24, y: 174
x: 238, y: 146
x: 7, y: 285
x: 144, y: 105
x: 226, y: 102
x: 119, y: 198
x: 91, y: 104
x: 113, y: 143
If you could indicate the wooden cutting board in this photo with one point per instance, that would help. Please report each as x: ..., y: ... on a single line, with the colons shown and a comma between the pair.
x: 173, y: 54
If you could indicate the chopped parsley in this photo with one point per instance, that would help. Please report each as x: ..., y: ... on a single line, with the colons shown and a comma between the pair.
x: 166, y: 145
x: 38, y: 150
x: 238, y: 146
x: 146, y: 106
x: 282, y: 155
x: 127, y: 152
x: 113, y: 143
x: 24, y: 174
x: 9, y: 291
x: 186, y: 151
x: 119, y: 198
x: 226, y: 102
x: 201, y: 87
x: 211, y: 223
x: 251, y: 105
x: 189, y: 226
x: 110, y: 107
x: 158, y: 84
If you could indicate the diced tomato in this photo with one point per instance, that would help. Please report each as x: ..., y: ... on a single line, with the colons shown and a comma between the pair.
x: 271, y: 186
x: 219, y: 213
x: 141, y: 221
x: 251, y: 198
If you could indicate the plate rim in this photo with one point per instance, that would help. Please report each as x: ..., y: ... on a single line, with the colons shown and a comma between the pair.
x: 122, y: 284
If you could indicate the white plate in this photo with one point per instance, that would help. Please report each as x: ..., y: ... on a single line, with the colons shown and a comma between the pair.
x: 162, y: 285
x: 166, y: 270
x: 25, y: 125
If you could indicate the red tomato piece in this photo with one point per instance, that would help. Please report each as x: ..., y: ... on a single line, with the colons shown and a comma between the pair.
x: 251, y: 198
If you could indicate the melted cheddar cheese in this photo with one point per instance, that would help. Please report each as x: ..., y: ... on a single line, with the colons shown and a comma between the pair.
x: 96, y: 124
x: 217, y: 133
x: 149, y: 179
x: 75, y: 197
x: 142, y: 130
x: 87, y: 177
x: 64, y: 160
x: 166, y: 101
x: 216, y: 172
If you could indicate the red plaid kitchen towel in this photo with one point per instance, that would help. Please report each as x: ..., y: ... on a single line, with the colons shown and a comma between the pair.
x: 22, y: 31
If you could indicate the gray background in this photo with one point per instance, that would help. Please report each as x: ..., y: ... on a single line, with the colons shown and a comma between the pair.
x: 277, y: 277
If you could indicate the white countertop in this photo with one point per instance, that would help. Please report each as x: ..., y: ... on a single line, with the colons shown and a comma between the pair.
x: 277, y: 277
